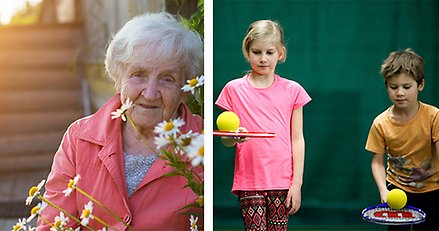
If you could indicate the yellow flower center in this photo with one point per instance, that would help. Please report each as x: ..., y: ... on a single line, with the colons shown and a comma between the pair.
x: 193, y: 82
x: 86, y: 213
x: 33, y: 190
x: 35, y: 210
x: 16, y: 227
x: 201, y: 151
x: 71, y: 183
x: 169, y: 126
x: 57, y: 224
x: 200, y: 201
x: 193, y: 225
x: 186, y: 141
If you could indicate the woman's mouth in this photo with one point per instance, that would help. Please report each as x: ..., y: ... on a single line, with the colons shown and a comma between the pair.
x: 148, y: 106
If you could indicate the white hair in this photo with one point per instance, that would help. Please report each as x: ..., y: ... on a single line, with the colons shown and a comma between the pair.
x: 144, y: 35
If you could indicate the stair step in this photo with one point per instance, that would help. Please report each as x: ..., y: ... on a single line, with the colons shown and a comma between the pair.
x: 38, y: 58
x: 20, y: 145
x: 69, y: 35
x: 31, y: 101
x: 26, y: 123
x: 30, y: 79
x: 35, y: 161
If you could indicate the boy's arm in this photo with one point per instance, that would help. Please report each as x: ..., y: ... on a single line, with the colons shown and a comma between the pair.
x: 436, y: 144
x: 379, y: 174
x: 298, y: 148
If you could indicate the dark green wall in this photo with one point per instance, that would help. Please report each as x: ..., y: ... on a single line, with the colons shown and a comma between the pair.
x: 335, y: 49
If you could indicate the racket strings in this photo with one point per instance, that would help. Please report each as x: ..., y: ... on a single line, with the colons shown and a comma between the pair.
x: 386, y: 215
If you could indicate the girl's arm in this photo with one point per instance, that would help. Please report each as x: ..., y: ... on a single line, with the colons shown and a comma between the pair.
x: 379, y: 174
x: 298, y: 148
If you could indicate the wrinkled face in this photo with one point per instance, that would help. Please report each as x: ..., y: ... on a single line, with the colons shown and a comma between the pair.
x: 403, y: 91
x: 155, y: 90
x: 263, y: 57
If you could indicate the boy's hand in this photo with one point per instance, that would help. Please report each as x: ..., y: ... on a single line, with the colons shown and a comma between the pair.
x: 383, y: 195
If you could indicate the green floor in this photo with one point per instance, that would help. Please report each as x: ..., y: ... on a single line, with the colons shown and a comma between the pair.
x: 306, y: 219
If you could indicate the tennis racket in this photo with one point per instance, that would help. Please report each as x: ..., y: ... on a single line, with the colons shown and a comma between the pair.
x: 384, y: 215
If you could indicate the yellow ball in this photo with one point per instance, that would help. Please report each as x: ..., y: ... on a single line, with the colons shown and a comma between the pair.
x: 396, y: 199
x: 227, y: 121
x: 228, y: 141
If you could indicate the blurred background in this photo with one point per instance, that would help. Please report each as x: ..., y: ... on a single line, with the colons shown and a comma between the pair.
x: 335, y: 50
x: 52, y: 73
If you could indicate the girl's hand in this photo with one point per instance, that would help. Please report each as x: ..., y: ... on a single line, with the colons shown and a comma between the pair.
x: 294, y: 199
x: 242, y: 140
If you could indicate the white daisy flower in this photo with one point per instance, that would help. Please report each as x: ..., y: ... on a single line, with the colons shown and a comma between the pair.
x: 192, y: 84
x: 170, y: 128
x: 71, y: 185
x: 184, y: 140
x: 37, y: 210
x: 87, y: 213
x: 162, y: 141
x: 195, y: 151
x: 120, y: 112
x: 60, y: 222
x: 34, y: 191
x: 20, y: 225
x: 193, y: 220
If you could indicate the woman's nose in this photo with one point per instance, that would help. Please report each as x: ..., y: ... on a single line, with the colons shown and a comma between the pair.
x: 150, y: 89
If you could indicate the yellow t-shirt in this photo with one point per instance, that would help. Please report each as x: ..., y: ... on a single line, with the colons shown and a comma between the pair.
x: 412, y: 162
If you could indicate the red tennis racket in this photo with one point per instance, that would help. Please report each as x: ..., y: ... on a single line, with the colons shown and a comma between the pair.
x: 241, y: 134
x: 384, y: 215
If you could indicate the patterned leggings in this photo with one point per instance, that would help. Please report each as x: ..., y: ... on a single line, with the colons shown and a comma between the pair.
x: 264, y: 210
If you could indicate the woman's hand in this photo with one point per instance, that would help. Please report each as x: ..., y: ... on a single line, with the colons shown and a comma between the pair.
x: 294, y: 199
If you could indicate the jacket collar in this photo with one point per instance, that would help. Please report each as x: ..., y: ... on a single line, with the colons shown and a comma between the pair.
x: 100, y: 128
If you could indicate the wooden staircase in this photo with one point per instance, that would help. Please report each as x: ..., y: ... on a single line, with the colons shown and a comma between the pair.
x: 40, y: 96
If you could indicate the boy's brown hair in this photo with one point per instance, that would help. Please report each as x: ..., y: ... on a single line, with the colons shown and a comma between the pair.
x: 407, y: 62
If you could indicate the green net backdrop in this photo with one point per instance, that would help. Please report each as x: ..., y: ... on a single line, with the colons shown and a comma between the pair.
x: 335, y: 49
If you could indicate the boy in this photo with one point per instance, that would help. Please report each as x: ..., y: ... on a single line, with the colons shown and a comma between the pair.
x: 408, y: 132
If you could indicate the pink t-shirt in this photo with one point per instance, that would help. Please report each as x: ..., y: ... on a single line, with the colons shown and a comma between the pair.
x: 263, y: 163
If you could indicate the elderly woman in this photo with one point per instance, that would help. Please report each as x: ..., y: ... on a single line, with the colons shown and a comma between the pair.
x: 149, y: 60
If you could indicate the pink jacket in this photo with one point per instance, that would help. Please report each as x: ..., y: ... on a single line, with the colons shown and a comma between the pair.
x: 92, y: 148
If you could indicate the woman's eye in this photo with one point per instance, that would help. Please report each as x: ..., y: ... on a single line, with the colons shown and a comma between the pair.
x: 168, y: 78
x: 270, y: 52
x: 256, y: 52
x: 393, y: 88
x: 136, y: 74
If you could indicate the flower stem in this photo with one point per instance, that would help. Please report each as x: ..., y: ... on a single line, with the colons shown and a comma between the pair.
x: 101, y: 205
x: 62, y: 210
x: 138, y: 133
x: 46, y: 221
x: 102, y: 222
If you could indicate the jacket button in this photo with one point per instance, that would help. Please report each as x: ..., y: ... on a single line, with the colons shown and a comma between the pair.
x: 127, y: 219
